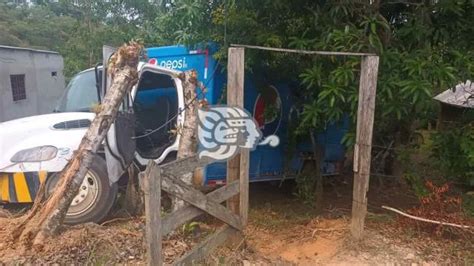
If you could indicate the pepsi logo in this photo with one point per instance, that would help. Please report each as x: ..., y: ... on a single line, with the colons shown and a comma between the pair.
x: 267, y: 110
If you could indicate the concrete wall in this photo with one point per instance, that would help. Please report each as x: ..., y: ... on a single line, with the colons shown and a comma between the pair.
x: 42, y: 88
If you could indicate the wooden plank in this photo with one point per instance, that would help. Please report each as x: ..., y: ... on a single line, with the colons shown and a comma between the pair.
x: 184, y: 166
x: 365, y: 122
x: 152, y: 187
x: 235, y: 97
x: 233, y: 174
x: 207, y: 245
x: 244, y: 186
x: 177, y: 218
x: 178, y: 188
x: 299, y: 51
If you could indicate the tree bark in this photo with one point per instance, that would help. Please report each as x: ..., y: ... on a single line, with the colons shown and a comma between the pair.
x: 318, y: 185
x: 133, y: 195
x: 188, y: 131
x: 188, y: 141
x: 46, y: 218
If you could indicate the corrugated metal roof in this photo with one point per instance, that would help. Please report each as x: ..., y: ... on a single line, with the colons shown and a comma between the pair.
x: 462, y: 95
x: 27, y: 49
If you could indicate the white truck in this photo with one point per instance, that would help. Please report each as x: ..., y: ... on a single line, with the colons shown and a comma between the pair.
x: 35, y: 149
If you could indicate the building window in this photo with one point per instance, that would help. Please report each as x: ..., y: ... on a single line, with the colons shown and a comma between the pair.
x: 18, y: 87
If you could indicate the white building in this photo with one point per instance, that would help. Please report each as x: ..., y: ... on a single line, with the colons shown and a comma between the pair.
x: 31, y: 81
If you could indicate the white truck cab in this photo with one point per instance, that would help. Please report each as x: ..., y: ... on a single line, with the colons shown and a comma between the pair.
x: 35, y: 149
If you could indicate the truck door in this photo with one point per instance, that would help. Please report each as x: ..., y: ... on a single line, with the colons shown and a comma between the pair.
x: 120, y: 142
x: 159, y: 108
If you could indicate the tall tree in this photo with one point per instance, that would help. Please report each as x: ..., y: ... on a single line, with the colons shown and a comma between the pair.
x: 424, y: 47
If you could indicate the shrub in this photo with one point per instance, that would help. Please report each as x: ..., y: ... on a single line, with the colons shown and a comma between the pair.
x: 454, y: 152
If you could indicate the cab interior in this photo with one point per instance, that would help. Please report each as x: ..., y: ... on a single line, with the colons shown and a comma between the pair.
x: 156, y: 109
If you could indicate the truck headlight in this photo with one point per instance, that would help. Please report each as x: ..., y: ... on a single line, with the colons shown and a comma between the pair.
x: 36, y: 154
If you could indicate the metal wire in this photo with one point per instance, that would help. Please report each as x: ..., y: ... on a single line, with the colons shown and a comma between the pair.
x: 396, y: 149
x: 201, y: 93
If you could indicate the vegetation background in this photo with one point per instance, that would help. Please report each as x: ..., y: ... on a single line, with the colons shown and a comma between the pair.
x: 425, y: 47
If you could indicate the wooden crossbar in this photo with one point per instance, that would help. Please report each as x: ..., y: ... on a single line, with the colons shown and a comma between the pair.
x: 177, y: 218
x: 184, y: 166
x: 178, y: 188
x: 157, y: 178
x: 207, y: 245
x: 296, y: 51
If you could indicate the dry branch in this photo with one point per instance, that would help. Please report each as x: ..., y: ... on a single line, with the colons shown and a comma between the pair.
x: 424, y: 219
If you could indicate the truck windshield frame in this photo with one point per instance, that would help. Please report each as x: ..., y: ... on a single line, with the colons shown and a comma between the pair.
x: 80, y: 94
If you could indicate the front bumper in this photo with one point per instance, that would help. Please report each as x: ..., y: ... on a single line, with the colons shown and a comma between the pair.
x: 20, y: 187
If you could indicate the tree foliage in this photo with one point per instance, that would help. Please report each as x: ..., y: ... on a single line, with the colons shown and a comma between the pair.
x: 425, y: 47
x: 76, y: 29
x: 453, y: 151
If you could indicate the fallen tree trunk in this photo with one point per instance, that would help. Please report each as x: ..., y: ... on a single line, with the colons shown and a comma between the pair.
x: 188, y: 141
x: 45, y: 218
x: 188, y: 131
x: 133, y: 204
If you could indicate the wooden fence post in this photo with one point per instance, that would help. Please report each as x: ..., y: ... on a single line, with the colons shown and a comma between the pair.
x: 152, y: 190
x: 363, y: 145
x: 237, y: 167
x: 244, y: 187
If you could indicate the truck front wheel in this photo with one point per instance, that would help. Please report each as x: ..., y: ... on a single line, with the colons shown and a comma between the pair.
x: 95, y: 197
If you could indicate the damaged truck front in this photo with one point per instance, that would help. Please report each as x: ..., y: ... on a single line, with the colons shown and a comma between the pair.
x: 35, y: 149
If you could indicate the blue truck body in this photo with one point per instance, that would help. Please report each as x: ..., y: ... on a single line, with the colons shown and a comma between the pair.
x: 266, y: 162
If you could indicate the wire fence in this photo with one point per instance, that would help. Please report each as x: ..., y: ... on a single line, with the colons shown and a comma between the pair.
x: 411, y: 149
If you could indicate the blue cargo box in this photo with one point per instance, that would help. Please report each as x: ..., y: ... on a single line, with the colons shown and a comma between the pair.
x: 273, y: 100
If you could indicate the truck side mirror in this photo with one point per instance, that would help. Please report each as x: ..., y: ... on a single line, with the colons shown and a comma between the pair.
x: 98, y: 81
x: 107, y: 52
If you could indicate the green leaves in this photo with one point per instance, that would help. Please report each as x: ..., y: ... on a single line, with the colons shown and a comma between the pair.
x: 454, y: 151
x: 332, y: 87
x: 424, y: 48
x: 76, y: 29
x: 374, y: 26
x: 312, y: 116
x: 311, y: 77
x: 415, y: 90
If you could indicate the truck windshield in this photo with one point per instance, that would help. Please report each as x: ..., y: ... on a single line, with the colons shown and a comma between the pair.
x: 80, y: 94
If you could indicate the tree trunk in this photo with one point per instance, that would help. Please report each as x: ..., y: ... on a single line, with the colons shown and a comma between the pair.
x: 188, y: 132
x: 46, y: 218
x: 133, y: 195
x: 318, y: 186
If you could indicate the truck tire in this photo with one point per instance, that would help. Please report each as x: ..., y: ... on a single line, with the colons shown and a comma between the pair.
x: 95, y: 197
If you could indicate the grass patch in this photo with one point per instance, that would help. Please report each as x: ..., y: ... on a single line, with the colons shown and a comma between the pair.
x: 281, y: 215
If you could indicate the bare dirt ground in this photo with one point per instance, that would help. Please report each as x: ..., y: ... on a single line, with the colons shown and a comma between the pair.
x: 282, y: 231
